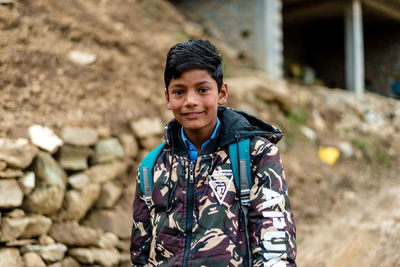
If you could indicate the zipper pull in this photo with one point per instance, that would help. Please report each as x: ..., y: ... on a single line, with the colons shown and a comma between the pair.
x: 191, y: 172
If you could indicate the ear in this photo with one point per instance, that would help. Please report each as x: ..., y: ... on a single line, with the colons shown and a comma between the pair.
x: 223, y: 94
x: 167, y: 98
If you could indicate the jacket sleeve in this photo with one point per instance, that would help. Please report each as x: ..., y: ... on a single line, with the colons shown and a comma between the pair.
x: 141, y: 228
x: 271, y: 222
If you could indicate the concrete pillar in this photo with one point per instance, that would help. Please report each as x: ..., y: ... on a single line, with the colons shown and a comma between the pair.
x: 269, y: 42
x: 354, y: 43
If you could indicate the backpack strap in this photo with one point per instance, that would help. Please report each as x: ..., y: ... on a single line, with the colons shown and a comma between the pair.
x: 146, y: 172
x: 244, y: 167
x: 242, y: 177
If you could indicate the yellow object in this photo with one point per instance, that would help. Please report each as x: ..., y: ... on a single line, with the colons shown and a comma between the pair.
x: 329, y: 155
x: 296, y: 70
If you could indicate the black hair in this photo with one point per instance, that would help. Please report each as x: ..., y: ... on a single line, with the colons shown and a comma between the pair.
x: 193, y: 54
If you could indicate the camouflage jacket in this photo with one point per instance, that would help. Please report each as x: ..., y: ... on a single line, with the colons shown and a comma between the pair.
x: 193, y: 219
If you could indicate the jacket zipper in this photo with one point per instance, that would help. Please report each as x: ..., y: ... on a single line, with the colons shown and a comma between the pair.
x: 189, y: 214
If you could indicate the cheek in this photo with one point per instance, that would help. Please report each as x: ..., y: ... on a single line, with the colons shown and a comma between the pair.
x: 212, y: 103
x: 172, y: 105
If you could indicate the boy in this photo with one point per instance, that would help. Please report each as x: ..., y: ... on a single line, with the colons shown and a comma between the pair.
x: 195, y: 217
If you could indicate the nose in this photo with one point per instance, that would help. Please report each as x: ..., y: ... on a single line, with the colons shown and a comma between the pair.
x: 191, y: 98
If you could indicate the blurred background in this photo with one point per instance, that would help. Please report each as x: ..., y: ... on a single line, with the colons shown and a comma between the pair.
x: 82, y: 102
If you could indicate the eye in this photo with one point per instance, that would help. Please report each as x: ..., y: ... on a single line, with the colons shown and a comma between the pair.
x: 177, y: 92
x: 203, y: 90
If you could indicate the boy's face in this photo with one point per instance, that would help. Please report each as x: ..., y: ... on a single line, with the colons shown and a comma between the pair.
x: 194, y: 99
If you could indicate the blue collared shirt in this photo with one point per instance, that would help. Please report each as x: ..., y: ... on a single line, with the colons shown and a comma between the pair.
x: 192, y: 151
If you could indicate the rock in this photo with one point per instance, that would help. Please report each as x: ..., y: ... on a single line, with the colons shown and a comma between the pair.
x: 167, y: 116
x: 70, y: 262
x: 27, y: 182
x: 194, y: 29
x: 77, y: 203
x: 105, y: 172
x: 78, y: 181
x: 8, y: 16
x: 79, y: 136
x: 123, y: 245
x: 12, y: 228
x: 45, y: 200
x: 308, y: 132
x: 125, y: 260
x: 49, y: 253
x: 244, y: 86
x: 31, y: 259
x: 125, y: 201
x: 142, y: 154
x: 48, y: 196
x: 72, y: 234
x: 249, y: 109
x: 57, y: 264
x: 48, y: 171
x: 83, y: 255
x: 130, y: 145
x: 11, y: 195
x: 44, y: 138
x: 17, y: 153
x: 16, y: 213
x: 11, y: 173
x: 73, y: 158
x: 147, y: 127
x: 112, y: 221
x: 108, y: 150
x: 106, y: 257
x: 109, y: 195
x: 151, y: 142
x: 396, y: 118
x: 108, y: 240
x: 10, y: 257
x: 37, y: 225
x: 45, y: 240
x: 104, y: 132
x: 81, y: 58
x: 318, y: 121
x: 3, y: 165
x: 20, y: 242
x: 346, y: 148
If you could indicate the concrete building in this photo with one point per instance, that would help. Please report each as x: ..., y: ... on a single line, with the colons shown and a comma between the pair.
x: 353, y: 44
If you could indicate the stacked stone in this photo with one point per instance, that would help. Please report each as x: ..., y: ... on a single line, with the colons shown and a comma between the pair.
x: 68, y: 201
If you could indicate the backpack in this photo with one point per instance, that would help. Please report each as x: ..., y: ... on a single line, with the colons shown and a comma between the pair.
x: 241, y: 169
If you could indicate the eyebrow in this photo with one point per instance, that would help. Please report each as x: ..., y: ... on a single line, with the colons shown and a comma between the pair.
x: 180, y: 85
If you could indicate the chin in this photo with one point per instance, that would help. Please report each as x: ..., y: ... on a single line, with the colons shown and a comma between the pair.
x: 192, y: 126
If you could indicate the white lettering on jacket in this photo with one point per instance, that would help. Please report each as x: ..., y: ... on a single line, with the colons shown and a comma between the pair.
x: 275, y: 249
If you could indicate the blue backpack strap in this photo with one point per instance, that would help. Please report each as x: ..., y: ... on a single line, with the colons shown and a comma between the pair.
x: 146, y: 172
x: 245, y: 164
x: 242, y: 177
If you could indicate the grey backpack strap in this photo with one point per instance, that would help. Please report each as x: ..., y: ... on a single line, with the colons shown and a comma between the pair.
x: 147, y: 188
x: 241, y: 171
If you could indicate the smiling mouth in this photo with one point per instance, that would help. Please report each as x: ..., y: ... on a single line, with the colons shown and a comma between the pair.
x: 192, y: 115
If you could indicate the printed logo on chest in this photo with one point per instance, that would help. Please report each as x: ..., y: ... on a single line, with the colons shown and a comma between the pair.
x: 220, y: 181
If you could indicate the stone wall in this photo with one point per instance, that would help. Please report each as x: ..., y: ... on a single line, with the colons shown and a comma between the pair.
x: 68, y: 201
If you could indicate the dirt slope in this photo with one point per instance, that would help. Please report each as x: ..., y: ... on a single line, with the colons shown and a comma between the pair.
x: 347, y: 214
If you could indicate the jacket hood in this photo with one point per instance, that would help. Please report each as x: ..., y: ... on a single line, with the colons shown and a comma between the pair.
x: 239, y: 125
x: 235, y: 126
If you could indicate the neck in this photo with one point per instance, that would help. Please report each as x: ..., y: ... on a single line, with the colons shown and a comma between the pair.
x: 199, y: 137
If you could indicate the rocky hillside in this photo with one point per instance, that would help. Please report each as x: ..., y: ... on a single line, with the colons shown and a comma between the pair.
x: 94, y: 69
